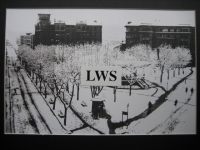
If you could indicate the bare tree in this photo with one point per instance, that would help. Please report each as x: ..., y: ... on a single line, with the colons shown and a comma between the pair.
x: 166, y: 59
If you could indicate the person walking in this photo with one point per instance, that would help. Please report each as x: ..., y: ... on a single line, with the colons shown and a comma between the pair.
x: 186, y: 89
x: 192, y: 90
x: 18, y: 66
x: 149, y: 108
x: 175, y: 103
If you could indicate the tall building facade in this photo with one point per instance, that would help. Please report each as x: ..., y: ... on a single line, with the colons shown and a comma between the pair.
x: 28, y: 39
x: 61, y: 33
x: 155, y: 35
x: 181, y: 35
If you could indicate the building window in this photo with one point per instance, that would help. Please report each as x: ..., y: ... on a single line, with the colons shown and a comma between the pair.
x: 127, y: 29
x: 165, y: 30
x: 184, y: 30
x: 171, y: 30
x: 62, y: 27
x: 78, y: 28
x: 57, y: 27
x: 145, y: 29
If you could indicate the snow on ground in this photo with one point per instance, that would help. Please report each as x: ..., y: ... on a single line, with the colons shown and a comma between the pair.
x: 42, y: 107
x: 167, y: 84
x: 184, y: 119
x: 138, y: 102
x: 85, y: 131
x: 187, y: 121
x: 72, y: 121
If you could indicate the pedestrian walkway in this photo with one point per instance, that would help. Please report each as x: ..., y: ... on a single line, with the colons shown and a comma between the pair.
x: 45, y: 112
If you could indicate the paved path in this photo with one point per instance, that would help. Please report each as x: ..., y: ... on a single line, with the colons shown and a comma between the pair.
x: 44, y: 113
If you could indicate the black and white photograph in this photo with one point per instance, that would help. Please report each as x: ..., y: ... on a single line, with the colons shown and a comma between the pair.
x: 46, y: 49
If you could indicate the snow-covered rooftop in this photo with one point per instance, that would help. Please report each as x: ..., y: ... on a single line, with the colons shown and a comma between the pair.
x: 156, y: 23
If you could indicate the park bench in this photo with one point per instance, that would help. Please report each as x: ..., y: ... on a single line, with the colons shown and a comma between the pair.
x: 60, y: 114
x: 83, y: 104
x: 51, y: 101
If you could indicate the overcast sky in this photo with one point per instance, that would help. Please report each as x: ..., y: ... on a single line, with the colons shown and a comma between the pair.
x: 22, y: 21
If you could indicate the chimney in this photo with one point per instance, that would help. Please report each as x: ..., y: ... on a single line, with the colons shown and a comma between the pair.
x: 129, y: 22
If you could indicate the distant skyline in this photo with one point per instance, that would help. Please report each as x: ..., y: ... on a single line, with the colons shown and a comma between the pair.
x: 22, y: 21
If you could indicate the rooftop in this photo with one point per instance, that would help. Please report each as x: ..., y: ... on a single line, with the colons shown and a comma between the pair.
x: 153, y: 24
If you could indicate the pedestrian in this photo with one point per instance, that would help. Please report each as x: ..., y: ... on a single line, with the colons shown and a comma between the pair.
x: 175, y: 103
x: 149, y: 108
x: 192, y: 90
x: 186, y: 89
x: 150, y: 105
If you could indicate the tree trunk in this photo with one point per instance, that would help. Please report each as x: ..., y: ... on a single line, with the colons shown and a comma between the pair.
x: 65, y: 119
x: 54, y: 104
x: 174, y: 73
x: 91, y: 91
x: 130, y: 90
x: 167, y: 74
x: 67, y: 87
x: 32, y: 75
x: 45, y: 91
x: 115, y: 90
x: 77, y: 91
x: 40, y: 84
x: 178, y: 70
x: 72, y: 94
x: 161, y: 75
x: 36, y: 82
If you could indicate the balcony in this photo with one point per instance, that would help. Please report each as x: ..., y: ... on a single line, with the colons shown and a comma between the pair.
x: 146, y: 31
x: 145, y: 38
x: 183, y: 39
x: 129, y: 36
x: 165, y: 38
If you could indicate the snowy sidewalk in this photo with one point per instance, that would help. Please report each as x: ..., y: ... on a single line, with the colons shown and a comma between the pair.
x: 46, y: 113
